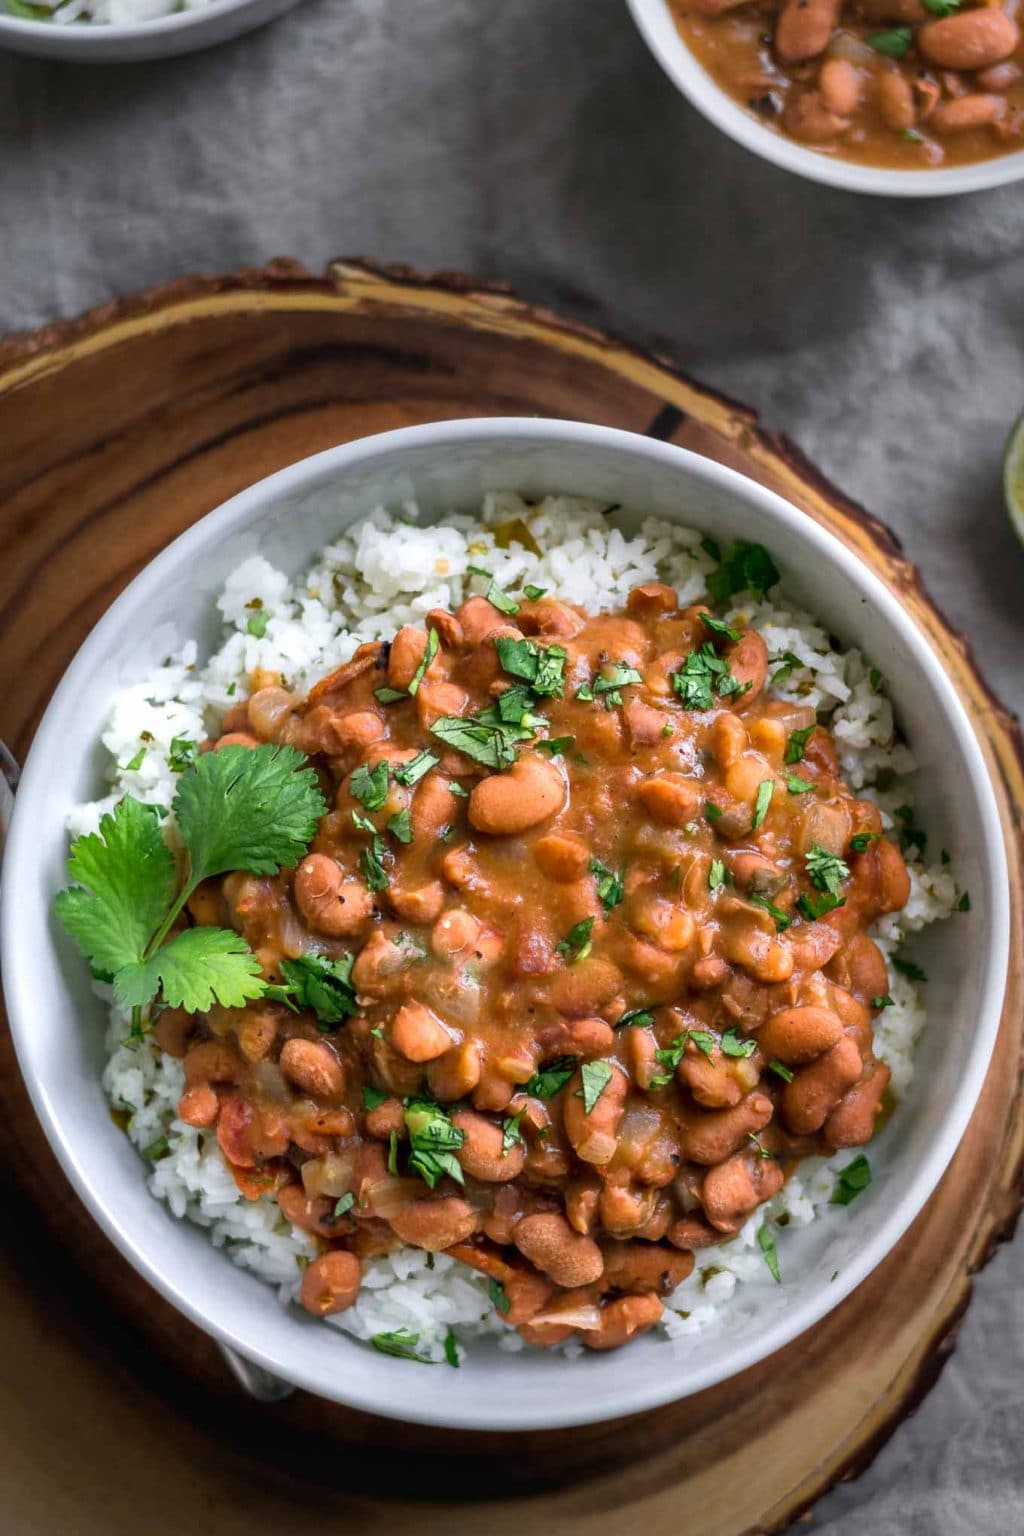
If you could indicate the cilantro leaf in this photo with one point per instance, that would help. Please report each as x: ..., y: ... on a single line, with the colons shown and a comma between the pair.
x: 410, y: 773
x: 860, y: 840
x: 719, y: 627
x: 798, y: 786
x: 428, y: 655
x: 251, y: 808
x: 370, y: 785
x: 487, y: 741
x: 433, y: 1141
x: 577, y: 942
x: 883, y: 1000
x: 533, y: 593
x: 763, y: 799
x: 500, y: 1298
x: 322, y: 985
x: 907, y: 968
x: 595, y: 1075
x: 194, y: 970
x: 812, y: 907
x: 639, y: 1018
x: 343, y: 1204
x: 744, y: 568
x: 781, y: 1070
x: 401, y: 1344
x: 852, y: 1180
x: 827, y: 870
x: 182, y: 754
x: 766, y: 1243
x: 702, y: 675
x: 551, y: 1079
x: 125, y: 881
x: 500, y: 600
x: 373, y: 1097
x: 797, y: 742
x: 788, y: 664
x: 732, y: 1045
x: 614, y: 676
x: 400, y: 825
x: 371, y: 860
x: 510, y: 1132
x: 540, y: 666
x: 781, y: 919
x: 555, y: 746
x: 609, y: 884
x: 893, y: 42
x: 716, y: 875
x: 451, y: 1349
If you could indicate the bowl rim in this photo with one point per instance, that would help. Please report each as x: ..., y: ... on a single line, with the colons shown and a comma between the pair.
x: 557, y: 1410
x: 653, y: 18
x: 88, y: 33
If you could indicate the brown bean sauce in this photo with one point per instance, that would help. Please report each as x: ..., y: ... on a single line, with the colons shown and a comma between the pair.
x: 907, y: 84
x: 621, y: 986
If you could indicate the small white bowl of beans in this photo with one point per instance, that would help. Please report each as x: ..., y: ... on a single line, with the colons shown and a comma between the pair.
x: 57, y: 1022
x: 901, y: 98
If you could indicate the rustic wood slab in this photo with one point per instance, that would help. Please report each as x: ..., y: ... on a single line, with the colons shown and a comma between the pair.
x: 119, y: 430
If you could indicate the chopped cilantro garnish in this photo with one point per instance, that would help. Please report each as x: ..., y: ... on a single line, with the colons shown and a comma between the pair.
x: 712, y: 811
x: 716, y: 875
x: 510, y: 1132
x: 490, y: 741
x: 136, y: 762
x: 551, y: 1079
x: 711, y: 547
x: 732, y: 1045
x: 766, y: 1243
x: 499, y: 1297
x: 609, y: 884
x: 875, y: 679
x: 860, y: 841
x: 893, y: 43
x: 323, y: 985
x: 908, y: 969
x: 401, y: 1344
x: 852, y: 1180
x: 555, y: 746
x: 719, y: 627
x: 371, y: 860
x: 596, y: 1076
x: 797, y: 786
x: 797, y: 742
x: 577, y: 943
x: 640, y: 1018
x: 780, y: 1071
x: 540, y: 666
x: 373, y: 1097
x: 257, y: 623
x: 533, y: 593
x: 433, y: 1141
x: 400, y: 825
x: 964, y: 904
x: 788, y: 663
x: 702, y: 675
x: 882, y: 1001
x: 344, y: 1204
x: 827, y: 871
x: 182, y: 754
x: 392, y: 1164
x: 762, y: 801
x: 410, y: 773
x: 501, y: 600
x: 813, y: 906
x: 370, y: 785
x: 433, y: 644
x: 451, y: 1349
x: 156, y: 1150
x: 781, y: 919
x: 744, y: 568
x: 615, y: 676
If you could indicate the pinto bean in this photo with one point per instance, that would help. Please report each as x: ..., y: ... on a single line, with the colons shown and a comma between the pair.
x: 798, y: 1035
x: 595, y: 1136
x: 710, y: 972
x: 432, y: 808
x: 313, y: 1067
x: 762, y: 954
x: 584, y: 987
x: 520, y: 798
x: 713, y: 1083
x: 652, y: 598
x: 645, y: 1267
x: 816, y: 1090
x: 860, y: 968
x: 757, y: 873
x: 972, y: 39
x: 670, y: 799
x: 417, y: 903
x: 449, y: 630
x: 693, y: 1234
x: 419, y: 1034
x: 199, y: 1106
x: 999, y: 77
x: 852, y: 1122
x: 622, y: 1320
x: 385, y: 1119
x: 895, y: 100
x: 456, y: 1073
x: 408, y: 649
x: 455, y: 932
x: 549, y: 1242
x: 331, y: 1282
x: 211, y: 1061
x: 738, y: 1186
x: 234, y: 1132
x: 715, y: 1134
x: 748, y: 662
x: 804, y: 28
x: 436, y: 1224
x: 966, y: 112
x: 330, y: 904
x: 839, y: 82
x: 562, y: 856
x: 257, y: 1032
x: 481, y: 1154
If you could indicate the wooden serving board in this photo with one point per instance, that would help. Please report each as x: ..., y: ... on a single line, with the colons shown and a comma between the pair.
x: 118, y: 431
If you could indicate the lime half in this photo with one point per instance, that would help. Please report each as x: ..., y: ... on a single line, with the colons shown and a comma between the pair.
x: 1013, y: 476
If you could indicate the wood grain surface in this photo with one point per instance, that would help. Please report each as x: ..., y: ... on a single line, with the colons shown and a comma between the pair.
x: 119, y: 430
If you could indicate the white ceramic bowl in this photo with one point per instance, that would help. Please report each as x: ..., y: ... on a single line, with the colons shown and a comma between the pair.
x: 184, y: 32
x: 58, y: 1025
x: 658, y: 28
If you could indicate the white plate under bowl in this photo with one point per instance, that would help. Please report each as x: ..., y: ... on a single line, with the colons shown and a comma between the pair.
x: 58, y: 1024
x: 658, y: 28
x: 82, y: 42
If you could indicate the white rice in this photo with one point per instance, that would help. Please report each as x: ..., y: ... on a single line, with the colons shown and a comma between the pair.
x: 390, y: 570
x: 114, y: 12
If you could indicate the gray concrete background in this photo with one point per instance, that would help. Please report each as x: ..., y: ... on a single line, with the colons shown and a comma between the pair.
x: 538, y: 142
